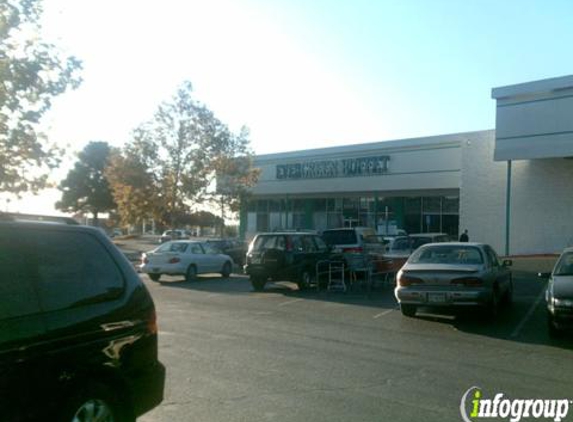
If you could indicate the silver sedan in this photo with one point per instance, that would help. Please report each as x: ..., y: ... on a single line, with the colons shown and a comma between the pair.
x: 559, y: 294
x: 453, y: 274
x: 184, y: 257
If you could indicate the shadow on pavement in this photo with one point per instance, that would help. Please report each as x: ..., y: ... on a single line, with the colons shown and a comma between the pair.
x: 380, y: 296
x: 523, y: 321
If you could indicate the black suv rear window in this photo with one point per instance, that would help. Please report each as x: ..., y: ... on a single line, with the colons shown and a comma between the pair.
x: 68, y: 268
x: 339, y: 237
x: 269, y: 242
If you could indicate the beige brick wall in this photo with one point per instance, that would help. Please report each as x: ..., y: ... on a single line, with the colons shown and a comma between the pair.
x: 541, y: 200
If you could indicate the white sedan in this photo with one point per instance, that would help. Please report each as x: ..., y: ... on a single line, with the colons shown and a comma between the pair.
x: 185, y: 257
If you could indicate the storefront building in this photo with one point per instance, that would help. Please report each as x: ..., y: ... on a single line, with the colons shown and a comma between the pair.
x: 511, y: 187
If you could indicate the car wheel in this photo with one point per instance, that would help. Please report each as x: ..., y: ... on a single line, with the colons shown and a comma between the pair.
x: 305, y: 280
x: 258, y: 283
x: 553, y: 331
x: 508, y: 299
x: 226, y: 271
x: 493, y: 307
x: 408, y: 310
x: 96, y: 404
x: 191, y: 273
x: 154, y: 277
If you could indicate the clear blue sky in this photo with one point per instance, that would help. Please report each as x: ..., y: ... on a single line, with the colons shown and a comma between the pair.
x: 304, y: 74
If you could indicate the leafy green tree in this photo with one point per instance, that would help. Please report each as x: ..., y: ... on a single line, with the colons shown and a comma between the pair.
x: 133, y: 183
x: 86, y: 189
x: 180, y: 138
x: 172, y: 162
x: 32, y: 73
x: 204, y: 219
x: 233, y: 172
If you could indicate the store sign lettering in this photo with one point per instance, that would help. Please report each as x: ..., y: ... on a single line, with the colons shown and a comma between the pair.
x: 366, y: 166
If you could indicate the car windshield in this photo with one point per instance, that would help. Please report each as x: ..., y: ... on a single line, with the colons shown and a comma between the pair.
x: 451, y: 254
x: 339, y: 237
x: 565, y: 265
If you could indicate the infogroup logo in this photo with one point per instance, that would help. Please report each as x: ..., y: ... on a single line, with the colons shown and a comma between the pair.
x: 474, y: 406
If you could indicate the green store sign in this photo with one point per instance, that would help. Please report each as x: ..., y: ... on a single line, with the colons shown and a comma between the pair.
x: 350, y: 167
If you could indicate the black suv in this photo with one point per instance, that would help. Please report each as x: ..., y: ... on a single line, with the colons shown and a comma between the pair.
x: 78, y: 332
x: 285, y: 256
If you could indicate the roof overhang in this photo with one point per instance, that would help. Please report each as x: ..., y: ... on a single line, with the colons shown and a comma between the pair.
x: 534, y: 120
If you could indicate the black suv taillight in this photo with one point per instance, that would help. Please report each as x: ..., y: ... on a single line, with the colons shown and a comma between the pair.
x: 152, y: 323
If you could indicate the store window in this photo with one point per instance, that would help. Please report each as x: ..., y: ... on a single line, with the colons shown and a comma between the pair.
x: 413, y: 215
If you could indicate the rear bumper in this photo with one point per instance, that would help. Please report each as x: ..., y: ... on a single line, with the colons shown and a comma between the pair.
x: 147, y: 388
x: 174, y: 269
x: 420, y: 297
x: 562, y: 318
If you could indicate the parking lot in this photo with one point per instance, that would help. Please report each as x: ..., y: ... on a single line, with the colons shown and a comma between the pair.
x: 284, y: 355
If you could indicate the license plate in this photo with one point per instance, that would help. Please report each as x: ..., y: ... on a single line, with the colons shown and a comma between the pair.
x: 436, y: 297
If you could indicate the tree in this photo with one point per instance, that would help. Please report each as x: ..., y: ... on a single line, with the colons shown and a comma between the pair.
x: 32, y: 72
x: 172, y: 161
x: 180, y: 138
x: 233, y: 172
x: 204, y: 219
x: 86, y: 189
x: 133, y: 184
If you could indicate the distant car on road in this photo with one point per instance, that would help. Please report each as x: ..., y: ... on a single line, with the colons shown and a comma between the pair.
x: 559, y: 294
x: 453, y: 274
x: 116, y: 232
x: 185, y: 257
x: 173, y: 235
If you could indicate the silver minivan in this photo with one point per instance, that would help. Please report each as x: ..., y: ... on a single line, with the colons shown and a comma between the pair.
x: 354, y: 240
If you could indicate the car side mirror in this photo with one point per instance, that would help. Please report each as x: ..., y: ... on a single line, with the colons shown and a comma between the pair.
x: 543, y: 275
x: 507, y: 262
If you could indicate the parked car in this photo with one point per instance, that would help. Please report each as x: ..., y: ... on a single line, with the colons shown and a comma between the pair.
x: 354, y: 240
x: 398, y: 250
x: 116, y: 232
x: 78, y: 330
x: 419, y: 239
x: 236, y: 249
x: 173, y: 235
x: 453, y: 274
x: 559, y: 294
x: 285, y: 256
x: 185, y: 257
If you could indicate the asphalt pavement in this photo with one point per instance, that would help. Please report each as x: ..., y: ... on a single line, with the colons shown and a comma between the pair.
x: 285, y: 355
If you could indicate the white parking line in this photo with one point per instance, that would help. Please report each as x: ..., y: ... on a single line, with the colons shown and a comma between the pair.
x: 289, y: 302
x: 381, y: 314
x: 528, y: 314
